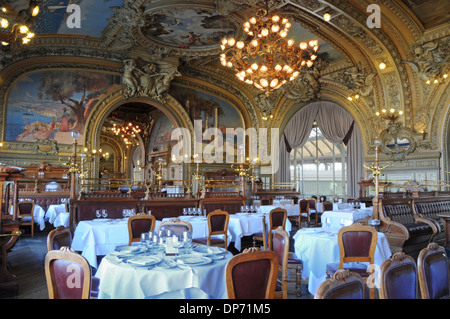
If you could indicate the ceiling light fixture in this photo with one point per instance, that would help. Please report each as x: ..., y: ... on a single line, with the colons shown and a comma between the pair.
x: 267, y: 59
x: 20, y: 28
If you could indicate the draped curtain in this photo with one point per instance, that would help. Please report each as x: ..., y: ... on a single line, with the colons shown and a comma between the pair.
x: 337, y: 126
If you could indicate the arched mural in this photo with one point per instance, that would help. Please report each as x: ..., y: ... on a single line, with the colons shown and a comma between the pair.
x: 51, y: 104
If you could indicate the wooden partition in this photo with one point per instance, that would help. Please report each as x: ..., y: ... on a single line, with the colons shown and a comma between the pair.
x: 169, y: 207
x: 230, y: 205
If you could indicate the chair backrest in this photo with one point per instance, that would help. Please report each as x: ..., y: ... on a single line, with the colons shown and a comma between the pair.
x: 343, y: 285
x: 281, y: 246
x: 58, y: 238
x: 252, y: 274
x: 277, y: 217
x: 351, y: 199
x: 432, y: 265
x: 337, y: 198
x: 398, y: 277
x: 218, y: 222
x: 176, y: 225
x: 25, y: 208
x: 357, y: 243
x: 327, y: 206
x: 68, y: 275
x: 303, y: 204
x: 139, y: 224
x: 312, y: 203
x: 267, y: 201
x: 322, y: 198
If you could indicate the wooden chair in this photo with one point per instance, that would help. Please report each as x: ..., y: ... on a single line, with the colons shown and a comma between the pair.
x: 433, y: 272
x: 337, y: 198
x: 26, y: 213
x: 176, y: 225
x: 262, y: 236
x: 327, y: 206
x: 217, y: 225
x: 398, y: 277
x: 58, y: 238
x: 277, y: 218
x: 351, y: 199
x: 303, y: 214
x: 266, y: 201
x: 322, y: 198
x: 252, y: 274
x: 312, y: 210
x: 61, y: 268
x: 343, y: 285
x: 139, y: 224
x: 357, y: 243
x: 286, y: 261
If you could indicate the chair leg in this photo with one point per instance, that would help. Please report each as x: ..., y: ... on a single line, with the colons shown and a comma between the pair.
x: 298, y: 282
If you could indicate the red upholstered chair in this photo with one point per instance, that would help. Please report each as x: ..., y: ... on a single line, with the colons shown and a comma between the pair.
x: 357, y: 243
x: 432, y: 265
x: 139, y: 224
x: 398, y: 277
x: 286, y: 261
x: 176, y: 225
x: 217, y: 225
x: 62, y: 268
x: 312, y: 210
x: 327, y: 206
x: 303, y: 214
x: 25, y: 213
x: 277, y: 218
x: 59, y: 237
x: 262, y: 236
x: 267, y: 201
x: 343, y: 285
x: 252, y: 274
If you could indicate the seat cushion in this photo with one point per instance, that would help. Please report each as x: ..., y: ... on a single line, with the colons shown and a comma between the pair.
x: 417, y: 229
x: 292, y: 259
x: 204, y: 241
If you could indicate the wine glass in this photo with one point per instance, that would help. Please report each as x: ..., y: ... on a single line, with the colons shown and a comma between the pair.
x: 242, y: 209
x: 144, y: 240
x: 149, y: 212
x: 104, y: 213
x: 204, y: 212
x: 185, y: 211
x: 190, y: 211
x: 187, y: 240
x: 98, y: 213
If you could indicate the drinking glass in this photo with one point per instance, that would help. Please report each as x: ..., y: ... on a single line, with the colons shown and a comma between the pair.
x: 185, y: 211
x: 190, y: 211
x: 187, y: 240
x: 144, y: 241
x: 242, y: 209
x: 124, y: 213
x: 204, y: 212
x: 98, y: 213
x: 104, y: 213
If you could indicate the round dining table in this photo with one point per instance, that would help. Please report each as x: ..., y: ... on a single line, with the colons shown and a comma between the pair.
x: 137, y: 275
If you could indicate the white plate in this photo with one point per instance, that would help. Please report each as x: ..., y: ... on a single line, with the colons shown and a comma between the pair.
x: 144, y: 260
x: 208, y: 250
x: 192, y: 260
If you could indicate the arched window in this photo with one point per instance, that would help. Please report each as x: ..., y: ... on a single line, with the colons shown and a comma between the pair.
x: 318, y: 132
x: 319, y: 166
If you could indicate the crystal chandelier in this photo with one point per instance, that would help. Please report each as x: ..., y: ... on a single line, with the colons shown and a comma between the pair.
x: 13, y: 30
x: 267, y: 59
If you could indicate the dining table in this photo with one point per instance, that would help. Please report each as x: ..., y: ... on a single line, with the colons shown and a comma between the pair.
x: 53, y: 212
x: 344, y: 217
x: 317, y: 247
x: 291, y: 209
x: 138, y: 273
x: 100, y: 236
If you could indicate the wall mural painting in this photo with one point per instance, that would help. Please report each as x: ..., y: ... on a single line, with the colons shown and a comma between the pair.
x: 160, y: 135
x: 187, y: 28
x: 52, y: 104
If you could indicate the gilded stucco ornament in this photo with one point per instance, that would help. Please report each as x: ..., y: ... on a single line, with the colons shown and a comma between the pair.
x: 397, y: 141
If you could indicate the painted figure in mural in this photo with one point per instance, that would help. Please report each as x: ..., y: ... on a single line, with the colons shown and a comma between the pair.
x: 64, y: 121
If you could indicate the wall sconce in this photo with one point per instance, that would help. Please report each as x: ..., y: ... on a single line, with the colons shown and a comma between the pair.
x: 424, y: 134
x: 353, y: 97
x: 391, y: 116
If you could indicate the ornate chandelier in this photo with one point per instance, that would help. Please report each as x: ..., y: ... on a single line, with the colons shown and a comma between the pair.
x: 20, y: 27
x: 126, y: 131
x: 267, y: 59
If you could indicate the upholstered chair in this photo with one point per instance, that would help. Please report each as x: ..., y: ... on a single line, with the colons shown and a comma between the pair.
x: 252, y: 274
x: 343, y: 285
x: 398, y: 278
x: 433, y: 271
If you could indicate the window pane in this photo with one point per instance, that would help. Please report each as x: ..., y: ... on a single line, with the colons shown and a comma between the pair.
x: 321, y: 165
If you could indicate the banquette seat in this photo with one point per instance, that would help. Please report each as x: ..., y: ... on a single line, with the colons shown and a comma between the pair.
x: 430, y: 210
x: 404, y: 230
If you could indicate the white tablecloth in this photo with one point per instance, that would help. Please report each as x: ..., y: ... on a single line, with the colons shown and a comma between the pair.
x: 242, y: 224
x: 317, y: 248
x: 340, y: 218
x: 99, y: 237
x: 53, y: 211
x: 291, y: 209
x: 61, y: 220
x: 38, y: 214
x: 120, y: 280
